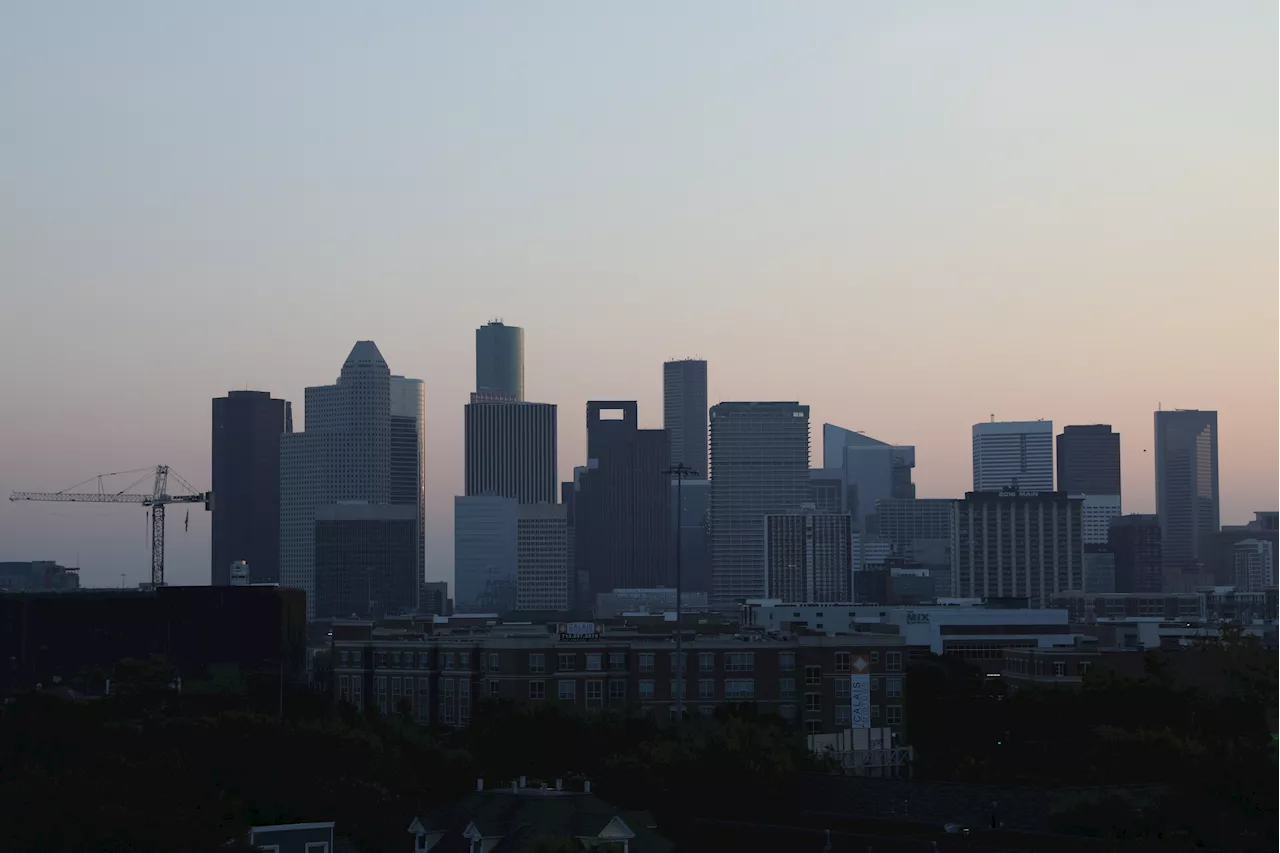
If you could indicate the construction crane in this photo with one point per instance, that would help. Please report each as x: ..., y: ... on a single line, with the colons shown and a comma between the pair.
x: 156, y: 501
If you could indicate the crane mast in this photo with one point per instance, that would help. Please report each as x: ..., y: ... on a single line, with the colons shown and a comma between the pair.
x: 155, y: 500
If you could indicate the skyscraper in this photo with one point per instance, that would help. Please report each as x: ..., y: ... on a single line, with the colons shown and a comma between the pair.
x: 484, y: 553
x: 247, y: 426
x: 408, y: 425
x: 1186, y: 484
x: 366, y: 560
x: 684, y: 413
x: 1009, y: 453
x: 1089, y: 466
x: 620, y: 509
x: 760, y: 466
x: 1139, y: 564
x: 808, y: 556
x: 510, y: 450
x: 500, y: 360
x: 1017, y: 545
x: 873, y: 470
x: 542, y: 558
x: 344, y: 454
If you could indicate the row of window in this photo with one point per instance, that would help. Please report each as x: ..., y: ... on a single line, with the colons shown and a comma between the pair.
x: 616, y: 661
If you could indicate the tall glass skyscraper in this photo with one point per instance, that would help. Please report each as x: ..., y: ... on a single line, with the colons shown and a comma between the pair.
x: 1089, y: 465
x: 684, y: 413
x: 1013, y: 453
x: 408, y: 427
x: 1186, y: 484
x: 500, y: 360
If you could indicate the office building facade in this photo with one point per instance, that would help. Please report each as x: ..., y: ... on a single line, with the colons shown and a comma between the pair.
x: 542, y: 558
x: 343, y: 454
x: 500, y: 360
x: 1089, y: 466
x: 1186, y: 485
x: 872, y: 470
x: 760, y: 466
x: 484, y: 553
x: 621, y: 525
x: 808, y: 556
x: 366, y: 560
x: 510, y: 451
x: 1013, y: 454
x: 1021, y: 545
x: 684, y: 413
x: 1135, y: 542
x: 1253, y: 562
x: 690, y: 506
x: 247, y: 426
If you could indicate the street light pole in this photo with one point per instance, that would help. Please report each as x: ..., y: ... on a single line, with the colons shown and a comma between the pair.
x: 681, y: 472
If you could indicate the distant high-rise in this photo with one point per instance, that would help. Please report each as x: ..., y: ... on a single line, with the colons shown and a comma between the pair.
x: 1186, y: 484
x: 1253, y: 564
x: 688, y: 512
x: 1135, y: 542
x: 366, y: 560
x: 247, y: 426
x: 1089, y: 465
x: 510, y: 451
x: 684, y: 413
x: 873, y: 470
x: 344, y: 454
x: 808, y: 556
x: 1017, y: 545
x: 408, y: 425
x: 500, y: 360
x: 620, y: 509
x: 760, y: 466
x: 1013, y: 453
x: 484, y: 553
x: 542, y: 558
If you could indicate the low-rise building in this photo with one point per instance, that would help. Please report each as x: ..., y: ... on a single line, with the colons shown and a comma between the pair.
x: 438, y: 673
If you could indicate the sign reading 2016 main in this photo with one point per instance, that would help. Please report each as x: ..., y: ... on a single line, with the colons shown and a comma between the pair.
x: 578, y: 631
x: 860, y: 694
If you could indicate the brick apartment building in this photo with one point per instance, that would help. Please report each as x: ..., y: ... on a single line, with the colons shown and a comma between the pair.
x: 442, y: 675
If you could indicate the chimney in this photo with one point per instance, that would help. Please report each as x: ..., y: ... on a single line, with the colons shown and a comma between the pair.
x: 522, y: 782
x: 479, y: 785
x: 559, y: 784
x: 586, y: 787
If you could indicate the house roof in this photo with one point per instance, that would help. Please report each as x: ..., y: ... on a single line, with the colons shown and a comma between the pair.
x: 522, y: 819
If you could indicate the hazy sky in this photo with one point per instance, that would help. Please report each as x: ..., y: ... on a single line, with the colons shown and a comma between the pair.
x: 907, y: 215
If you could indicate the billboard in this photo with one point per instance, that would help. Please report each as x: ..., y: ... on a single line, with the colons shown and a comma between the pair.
x: 578, y: 630
x: 860, y: 694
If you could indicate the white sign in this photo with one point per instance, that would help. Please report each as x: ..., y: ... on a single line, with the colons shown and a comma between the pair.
x: 860, y: 701
x: 578, y: 631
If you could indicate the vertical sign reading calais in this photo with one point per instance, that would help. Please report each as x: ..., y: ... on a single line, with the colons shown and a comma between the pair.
x: 860, y: 694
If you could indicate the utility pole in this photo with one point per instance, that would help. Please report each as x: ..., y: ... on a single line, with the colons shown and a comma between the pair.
x: 681, y: 472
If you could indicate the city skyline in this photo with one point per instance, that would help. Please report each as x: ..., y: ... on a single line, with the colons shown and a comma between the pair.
x: 1069, y: 227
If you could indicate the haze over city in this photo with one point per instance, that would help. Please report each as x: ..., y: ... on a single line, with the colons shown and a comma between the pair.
x: 908, y: 220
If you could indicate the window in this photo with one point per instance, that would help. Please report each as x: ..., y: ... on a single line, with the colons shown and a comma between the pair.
x: 893, y: 688
x: 739, y: 688
x: 595, y: 662
x: 424, y: 660
x: 678, y: 686
x: 567, y: 689
x: 395, y: 659
x: 537, y: 690
x: 875, y: 683
x: 787, y: 712
x: 617, y: 690
x: 812, y: 675
x: 1059, y: 668
x: 707, y: 661
x: 1083, y: 667
x: 707, y: 688
x: 843, y: 686
x: 380, y: 660
x: 618, y: 661
x: 893, y: 715
x: 875, y: 713
x: 317, y: 847
x: 424, y: 699
x: 595, y: 693
x: 739, y: 661
x: 342, y: 656
x: 537, y: 664
x: 448, y: 661
x: 813, y: 727
x: 893, y: 661
x: 381, y: 686
x: 493, y: 662
x: 844, y: 715
x: 344, y: 687
x: 464, y: 660
x: 646, y: 689
x: 786, y: 688
x: 786, y: 661
x: 682, y: 660
x: 875, y: 658
x: 395, y: 690
x: 812, y: 703
x: 494, y: 688
x: 464, y: 701
x: 446, y: 701
x: 844, y: 662
x: 646, y: 661
x: 565, y: 663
